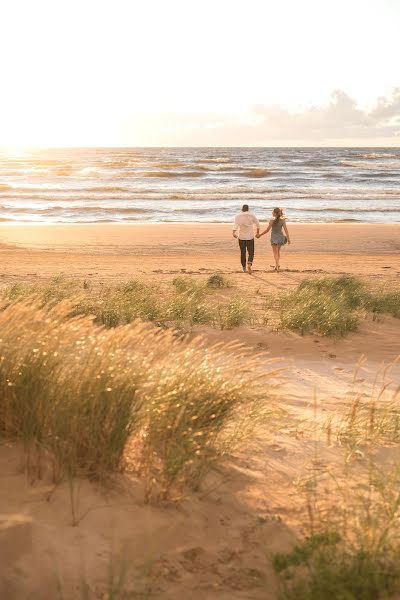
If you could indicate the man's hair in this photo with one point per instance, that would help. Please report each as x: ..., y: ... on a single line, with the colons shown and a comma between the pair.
x: 245, y: 207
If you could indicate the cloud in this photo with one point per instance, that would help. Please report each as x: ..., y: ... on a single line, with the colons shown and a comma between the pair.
x: 387, y: 108
x: 341, y: 120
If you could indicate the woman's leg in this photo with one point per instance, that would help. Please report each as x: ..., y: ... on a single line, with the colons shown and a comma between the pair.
x: 275, y: 250
x: 279, y: 257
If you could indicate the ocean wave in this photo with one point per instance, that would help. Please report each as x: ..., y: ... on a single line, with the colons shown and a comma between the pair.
x: 65, y: 171
x: 343, y: 209
x: 101, y: 194
x: 380, y: 175
x: 372, y: 166
x: 347, y: 220
x: 171, y: 174
x: 216, y: 159
x: 256, y: 172
x: 374, y: 155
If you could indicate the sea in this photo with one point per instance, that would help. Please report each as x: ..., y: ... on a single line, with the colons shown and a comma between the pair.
x: 199, y: 185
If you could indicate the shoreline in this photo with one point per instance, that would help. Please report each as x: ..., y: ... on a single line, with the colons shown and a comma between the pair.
x: 116, y: 252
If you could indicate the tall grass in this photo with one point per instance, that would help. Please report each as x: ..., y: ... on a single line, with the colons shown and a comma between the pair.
x: 188, y: 303
x: 352, y: 549
x: 86, y: 396
x: 331, y: 306
x: 233, y: 314
x: 385, y: 301
x: 372, y: 415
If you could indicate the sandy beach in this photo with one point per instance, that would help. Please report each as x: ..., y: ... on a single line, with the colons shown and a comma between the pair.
x: 117, y: 250
x: 209, y: 546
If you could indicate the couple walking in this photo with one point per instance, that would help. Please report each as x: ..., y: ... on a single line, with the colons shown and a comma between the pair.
x: 243, y: 229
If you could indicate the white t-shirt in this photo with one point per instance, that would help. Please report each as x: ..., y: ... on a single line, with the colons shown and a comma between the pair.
x: 244, y: 222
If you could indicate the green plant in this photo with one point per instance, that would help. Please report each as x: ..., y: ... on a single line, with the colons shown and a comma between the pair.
x: 324, y: 306
x: 385, y: 301
x: 188, y: 284
x: 233, y: 314
x: 371, y: 415
x: 310, y: 313
x: 56, y: 290
x: 331, y: 306
x: 350, y: 290
x: 136, y: 299
x: 352, y: 549
x: 330, y: 570
x: 189, y: 306
x: 217, y: 280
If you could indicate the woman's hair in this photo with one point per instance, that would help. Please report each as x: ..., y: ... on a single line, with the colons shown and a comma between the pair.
x: 277, y: 213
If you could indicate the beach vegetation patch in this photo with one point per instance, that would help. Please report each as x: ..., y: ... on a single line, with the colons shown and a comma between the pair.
x: 58, y: 288
x: 88, y: 400
x: 233, y: 314
x: 384, y: 301
x: 331, y: 306
x: 330, y: 570
x: 351, y: 547
x: 185, y: 305
x: 308, y: 311
x: 217, y: 281
x: 188, y: 284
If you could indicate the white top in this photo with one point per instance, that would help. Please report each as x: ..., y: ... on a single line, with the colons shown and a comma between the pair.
x: 244, y: 222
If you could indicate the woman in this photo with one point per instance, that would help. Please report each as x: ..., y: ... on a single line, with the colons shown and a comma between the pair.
x: 278, y: 239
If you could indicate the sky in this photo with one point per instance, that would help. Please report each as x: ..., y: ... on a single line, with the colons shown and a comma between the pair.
x: 200, y: 73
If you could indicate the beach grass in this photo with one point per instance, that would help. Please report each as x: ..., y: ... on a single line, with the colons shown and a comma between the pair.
x: 350, y: 549
x: 187, y: 303
x: 218, y: 281
x: 371, y: 416
x: 89, y: 399
x: 385, y: 301
x: 331, y: 570
x: 331, y: 306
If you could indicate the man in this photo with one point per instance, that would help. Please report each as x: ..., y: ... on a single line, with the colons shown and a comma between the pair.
x: 243, y: 229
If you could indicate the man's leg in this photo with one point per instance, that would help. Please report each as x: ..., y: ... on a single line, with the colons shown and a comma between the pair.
x: 250, y: 249
x: 242, y: 246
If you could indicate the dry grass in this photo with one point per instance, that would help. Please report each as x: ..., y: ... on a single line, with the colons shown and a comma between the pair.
x: 82, y: 395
